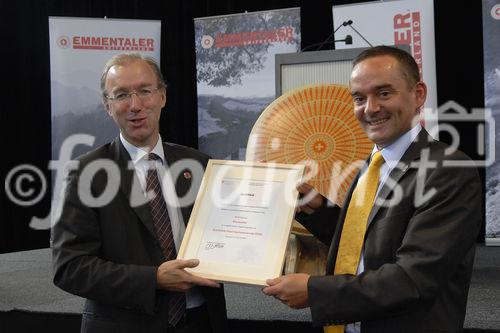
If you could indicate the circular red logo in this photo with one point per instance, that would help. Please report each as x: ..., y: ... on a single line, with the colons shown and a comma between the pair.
x: 63, y: 42
x: 495, y: 12
x: 207, y: 41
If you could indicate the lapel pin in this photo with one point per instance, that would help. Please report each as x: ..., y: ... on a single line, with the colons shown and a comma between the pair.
x: 187, y: 175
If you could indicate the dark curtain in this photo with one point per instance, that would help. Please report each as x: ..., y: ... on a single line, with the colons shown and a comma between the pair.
x: 25, y: 113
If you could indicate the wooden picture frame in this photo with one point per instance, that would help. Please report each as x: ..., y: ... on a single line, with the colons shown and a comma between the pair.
x: 241, y: 221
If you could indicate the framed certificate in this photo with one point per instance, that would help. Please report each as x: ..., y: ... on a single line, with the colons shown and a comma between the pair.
x: 241, y: 220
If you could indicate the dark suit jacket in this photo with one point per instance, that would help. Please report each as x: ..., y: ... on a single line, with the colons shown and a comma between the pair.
x: 418, y: 254
x: 109, y: 253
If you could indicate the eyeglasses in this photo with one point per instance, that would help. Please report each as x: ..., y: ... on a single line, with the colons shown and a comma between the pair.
x: 124, y: 97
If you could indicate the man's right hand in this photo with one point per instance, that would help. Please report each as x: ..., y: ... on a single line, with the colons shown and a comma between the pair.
x: 310, y: 199
x: 172, y: 276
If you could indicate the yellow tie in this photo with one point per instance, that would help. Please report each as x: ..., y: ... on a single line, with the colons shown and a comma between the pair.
x: 353, y: 232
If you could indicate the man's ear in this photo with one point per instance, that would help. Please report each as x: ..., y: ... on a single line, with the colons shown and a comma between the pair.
x: 163, y: 97
x: 107, y: 107
x: 420, y: 94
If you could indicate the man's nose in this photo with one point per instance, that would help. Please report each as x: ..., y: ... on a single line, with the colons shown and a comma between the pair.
x: 135, y: 102
x: 372, y: 105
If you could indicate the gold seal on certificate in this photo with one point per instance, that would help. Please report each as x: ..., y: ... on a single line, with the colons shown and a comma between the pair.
x: 241, y: 220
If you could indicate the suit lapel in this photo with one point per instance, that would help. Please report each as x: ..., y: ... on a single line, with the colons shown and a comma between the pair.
x: 130, y: 186
x: 182, y: 179
x: 412, y: 154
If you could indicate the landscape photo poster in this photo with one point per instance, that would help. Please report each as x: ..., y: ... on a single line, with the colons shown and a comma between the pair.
x: 79, y: 49
x: 491, y: 50
x: 235, y: 74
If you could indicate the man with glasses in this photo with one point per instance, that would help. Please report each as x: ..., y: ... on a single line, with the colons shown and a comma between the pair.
x: 119, y: 251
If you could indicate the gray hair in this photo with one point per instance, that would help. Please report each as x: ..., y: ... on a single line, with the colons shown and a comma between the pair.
x: 126, y: 58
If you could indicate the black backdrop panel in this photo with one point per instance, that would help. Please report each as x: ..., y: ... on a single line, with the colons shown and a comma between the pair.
x: 25, y: 114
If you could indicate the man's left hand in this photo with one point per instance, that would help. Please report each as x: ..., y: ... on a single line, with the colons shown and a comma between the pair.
x: 290, y: 289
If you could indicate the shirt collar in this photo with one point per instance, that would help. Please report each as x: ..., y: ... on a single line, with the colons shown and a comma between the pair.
x: 137, y: 154
x: 393, y: 153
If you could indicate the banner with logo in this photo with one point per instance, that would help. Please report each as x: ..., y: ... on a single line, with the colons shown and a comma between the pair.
x: 491, y: 52
x: 394, y: 23
x: 235, y: 73
x: 79, y: 48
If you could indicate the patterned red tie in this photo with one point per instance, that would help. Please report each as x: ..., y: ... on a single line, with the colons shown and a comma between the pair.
x: 161, y: 220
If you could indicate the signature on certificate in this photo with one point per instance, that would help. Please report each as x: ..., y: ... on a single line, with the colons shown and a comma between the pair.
x: 214, y: 245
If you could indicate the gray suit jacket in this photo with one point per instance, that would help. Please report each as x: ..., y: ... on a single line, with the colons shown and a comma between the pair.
x: 109, y: 253
x: 418, y: 254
